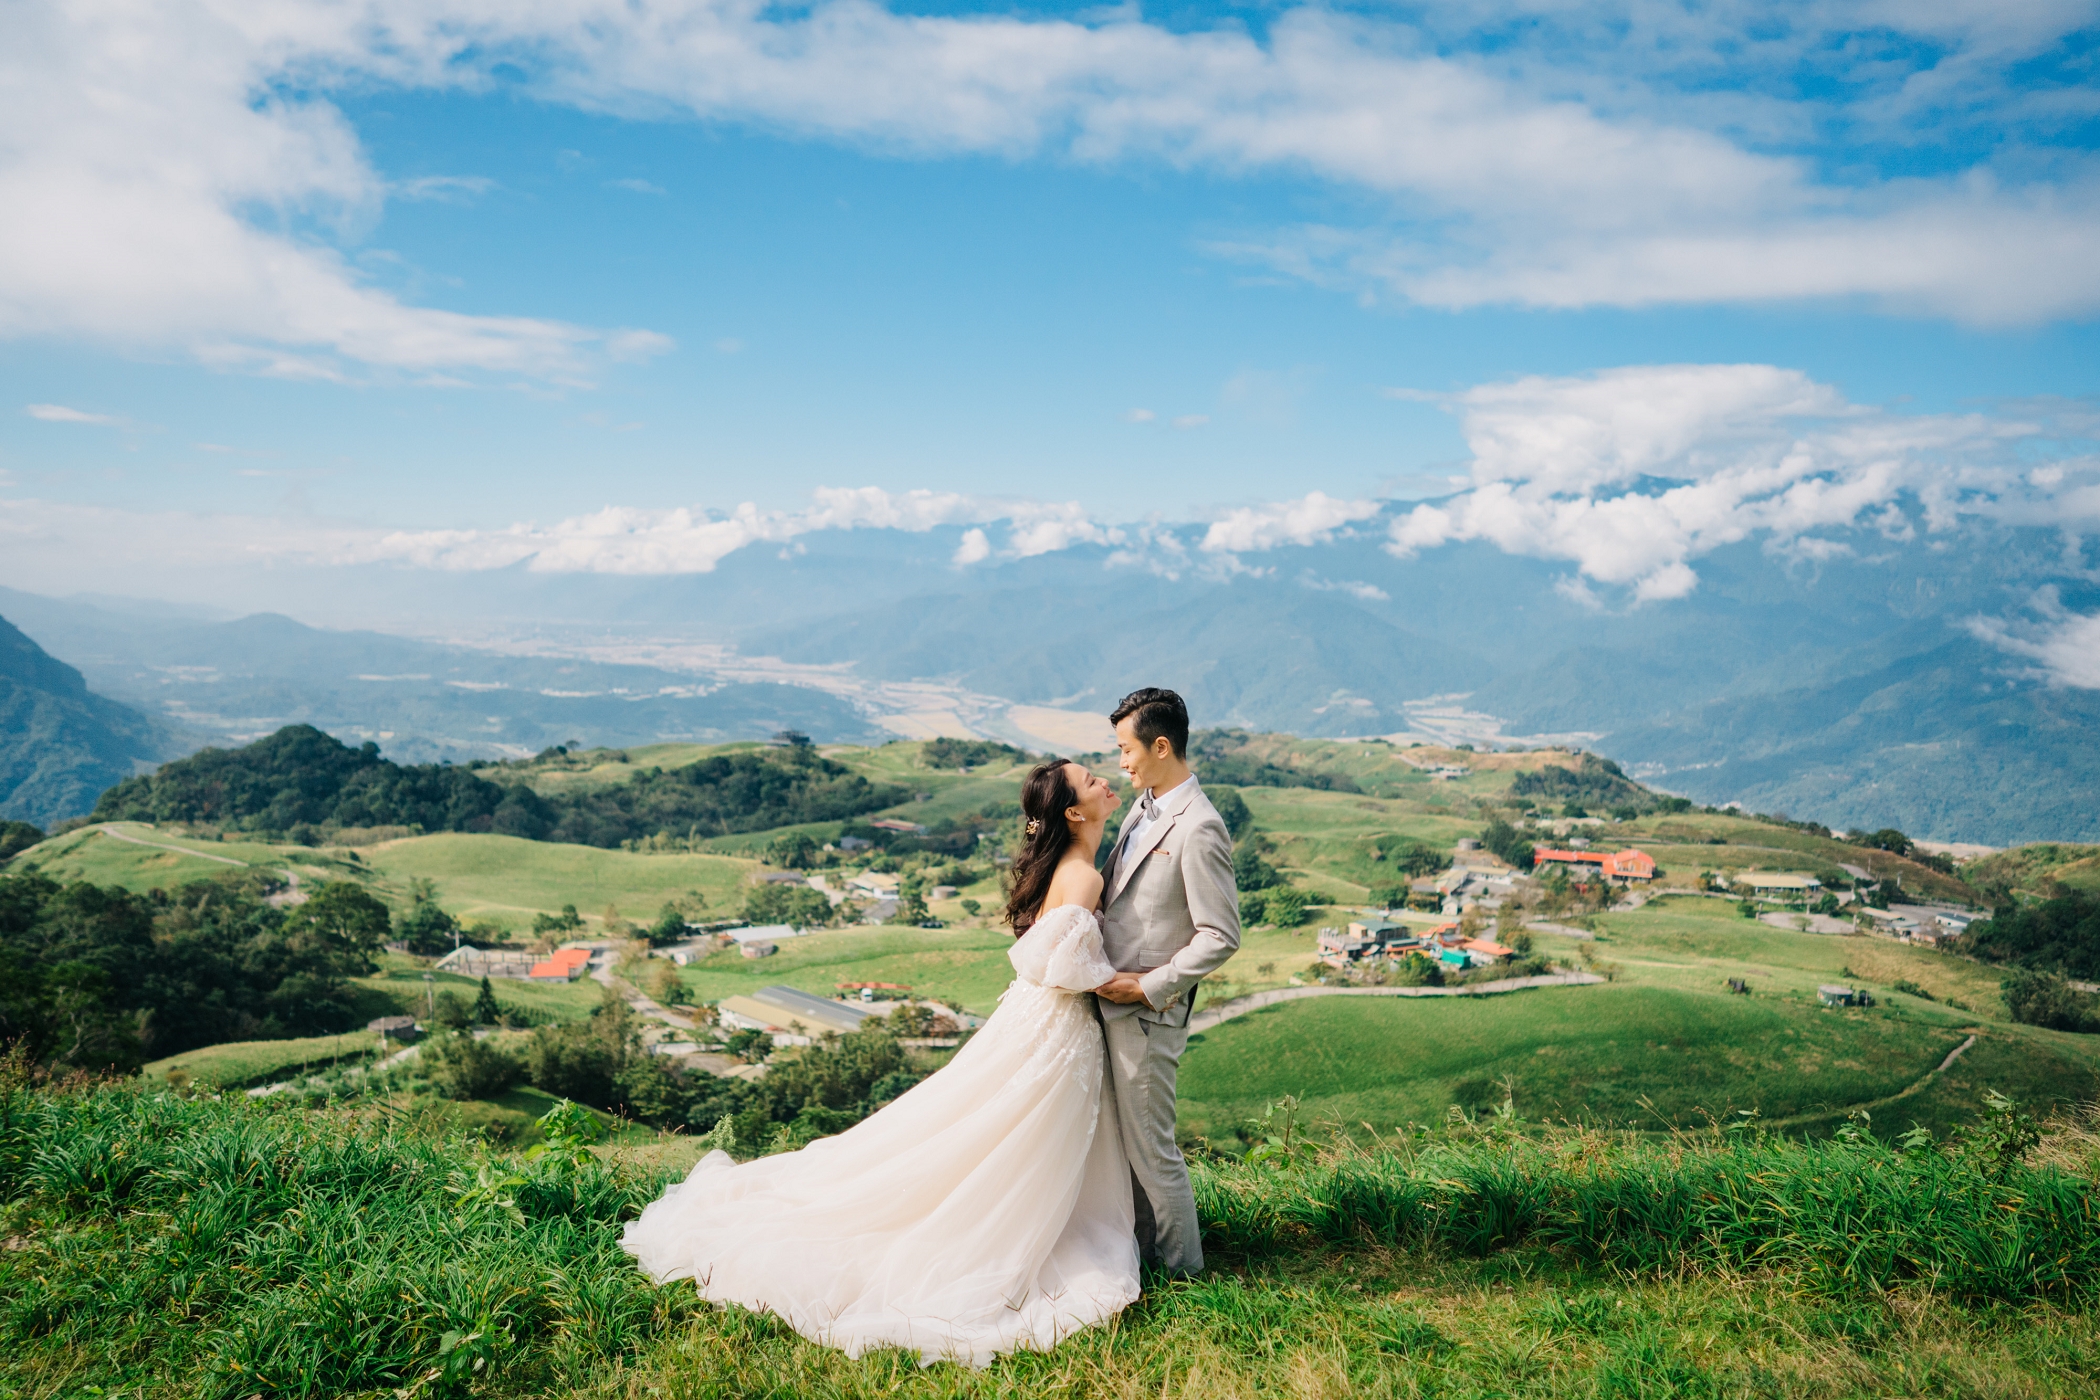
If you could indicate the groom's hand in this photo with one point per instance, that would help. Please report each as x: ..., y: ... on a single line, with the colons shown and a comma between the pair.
x: 1122, y: 989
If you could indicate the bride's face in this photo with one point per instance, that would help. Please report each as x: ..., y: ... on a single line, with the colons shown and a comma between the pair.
x: 1096, y: 797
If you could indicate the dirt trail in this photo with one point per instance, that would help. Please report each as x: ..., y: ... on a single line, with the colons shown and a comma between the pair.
x: 178, y: 850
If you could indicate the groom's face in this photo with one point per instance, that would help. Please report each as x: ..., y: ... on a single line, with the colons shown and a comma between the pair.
x: 1140, y: 760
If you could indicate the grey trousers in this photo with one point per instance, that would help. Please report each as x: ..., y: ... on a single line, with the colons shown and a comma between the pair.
x: 1143, y: 1057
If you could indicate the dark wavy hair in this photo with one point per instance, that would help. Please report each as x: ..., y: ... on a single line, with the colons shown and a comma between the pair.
x: 1045, y: 798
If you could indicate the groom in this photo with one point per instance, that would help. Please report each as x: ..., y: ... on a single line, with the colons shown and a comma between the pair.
x: 1170, y: 916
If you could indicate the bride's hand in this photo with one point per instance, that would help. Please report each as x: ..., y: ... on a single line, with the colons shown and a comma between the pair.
x: 1123, y: 989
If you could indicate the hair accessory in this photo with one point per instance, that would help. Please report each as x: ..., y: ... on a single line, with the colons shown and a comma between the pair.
x: 1034, y: 825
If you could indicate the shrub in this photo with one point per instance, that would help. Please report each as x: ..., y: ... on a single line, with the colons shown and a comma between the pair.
x: 795, y: 905
x: 2045, y: 999
x: 1254, y: 908
x: 1285, y: 906
x: 463, y: 1067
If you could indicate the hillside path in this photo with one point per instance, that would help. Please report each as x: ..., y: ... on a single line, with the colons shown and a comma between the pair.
x: 178, y: 850
x: 1254, y: 1001
x: 1871, y: 1104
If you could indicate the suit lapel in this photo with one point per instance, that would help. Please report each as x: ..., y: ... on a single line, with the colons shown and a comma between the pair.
x: 1123, y: 872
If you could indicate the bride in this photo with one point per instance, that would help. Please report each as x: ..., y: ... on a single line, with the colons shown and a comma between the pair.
x: 987, y: 1210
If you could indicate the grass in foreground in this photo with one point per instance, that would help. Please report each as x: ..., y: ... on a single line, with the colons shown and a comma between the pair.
x: 220, y: 1248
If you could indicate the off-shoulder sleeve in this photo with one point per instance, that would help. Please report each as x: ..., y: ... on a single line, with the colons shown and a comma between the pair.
x: 1062, y: 950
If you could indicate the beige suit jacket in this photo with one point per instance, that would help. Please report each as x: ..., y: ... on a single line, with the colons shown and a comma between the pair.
x: 1173, y: 912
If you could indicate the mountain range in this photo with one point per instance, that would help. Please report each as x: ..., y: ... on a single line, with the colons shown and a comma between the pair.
x: 1866, y: 686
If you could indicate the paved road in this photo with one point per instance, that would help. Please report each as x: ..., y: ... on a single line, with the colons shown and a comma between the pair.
x: 1240, y: 1006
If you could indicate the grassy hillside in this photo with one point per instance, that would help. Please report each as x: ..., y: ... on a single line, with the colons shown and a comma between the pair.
x: 238, y: 1249
x: 2038, y: 870
x: 1663, y: 1045
x: 504, y: 880
x: 239, y: 1063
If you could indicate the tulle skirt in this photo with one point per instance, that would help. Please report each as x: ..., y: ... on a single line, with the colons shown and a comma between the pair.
x: 987, y: 1210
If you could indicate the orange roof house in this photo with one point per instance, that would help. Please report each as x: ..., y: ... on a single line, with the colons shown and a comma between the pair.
x: 566, y: 965
x: 1628, y: 864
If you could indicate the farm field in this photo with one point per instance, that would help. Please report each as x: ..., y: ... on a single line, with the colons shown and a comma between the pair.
x: 504, y: 880
x: 1663, y: 1045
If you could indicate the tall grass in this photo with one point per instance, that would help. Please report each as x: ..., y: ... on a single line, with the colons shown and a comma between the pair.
x: 221, y: 1247
x: 1841, y: 1215
x: 243, y: 1251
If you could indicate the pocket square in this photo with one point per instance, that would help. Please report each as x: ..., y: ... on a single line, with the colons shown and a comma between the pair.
x: 1161, y: 851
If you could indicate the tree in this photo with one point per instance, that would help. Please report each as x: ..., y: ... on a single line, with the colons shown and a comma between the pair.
x: 487, y: 1010
x: 2046, y: 999
x: 344, y: 917
x: 793, y: 850
x: 1285, y: 906
x: 750, y: 1046
x: 427, y: 930
x: 670, y: 926
x: 1254, y: 907
x: 911, y: 901
x: 795, y: 905
x: 567, y: 921
x: 1249, y: 870
x: 1233, y: 808
x: 1887, y: 839
x: 1504, y: 840
x: 17, y: 837
x: 463, y: 1067
x: 2060, y: 935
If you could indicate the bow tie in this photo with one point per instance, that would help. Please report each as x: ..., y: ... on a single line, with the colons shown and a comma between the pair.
x: 1147, y: 808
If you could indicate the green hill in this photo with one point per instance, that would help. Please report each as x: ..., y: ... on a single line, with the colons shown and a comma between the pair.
x: 304, y: 783
x: 60, y: 743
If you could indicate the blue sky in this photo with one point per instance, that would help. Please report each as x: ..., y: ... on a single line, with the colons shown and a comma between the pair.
x: 316, y: 281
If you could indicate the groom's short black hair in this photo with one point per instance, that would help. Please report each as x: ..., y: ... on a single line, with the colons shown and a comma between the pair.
x: 1158, y: 712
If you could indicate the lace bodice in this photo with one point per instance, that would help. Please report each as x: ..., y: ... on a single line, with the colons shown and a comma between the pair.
x: 1062, y: 949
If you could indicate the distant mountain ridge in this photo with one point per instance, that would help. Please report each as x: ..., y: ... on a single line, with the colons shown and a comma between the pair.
x: 60, y: 743
x: 1848, y: 688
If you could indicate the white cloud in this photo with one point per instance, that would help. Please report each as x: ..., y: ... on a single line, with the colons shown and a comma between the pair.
x: 446, y: 189
x: 1191, y: 420
x: 193, y: 184
x: 1139, y: 415
x: 634, y: 186
x: 627, y: 540
x: 2065, y: 645
x: 1631, y: 474
x: 1311, y: 519
x: 184, y: 196
x: 59, y: 413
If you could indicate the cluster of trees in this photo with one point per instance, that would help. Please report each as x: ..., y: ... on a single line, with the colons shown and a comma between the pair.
x: 303, y: 783
x: 1220, y: 756
x: 17, y: 837
x: 2060, y: 935
x: 1594, y: 784
x: 602, y: 1062
x: 102, y: 979
x: 1506, y: 842
x: 970, y: 753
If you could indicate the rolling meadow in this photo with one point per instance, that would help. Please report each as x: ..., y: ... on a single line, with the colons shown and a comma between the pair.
x: 1646, y: 1185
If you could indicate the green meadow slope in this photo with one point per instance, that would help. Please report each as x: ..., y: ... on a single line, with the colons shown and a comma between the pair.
x: 1662, y: 1044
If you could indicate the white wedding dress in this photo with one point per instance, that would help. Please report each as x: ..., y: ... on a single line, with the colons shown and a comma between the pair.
x: 987, y: 1210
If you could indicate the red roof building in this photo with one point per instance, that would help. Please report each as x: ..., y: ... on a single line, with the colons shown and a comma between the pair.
x: 1628, y: 864
x: 566, y: 965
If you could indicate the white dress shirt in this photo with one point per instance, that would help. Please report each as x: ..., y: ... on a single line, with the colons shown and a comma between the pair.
x: 1141, y: 823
